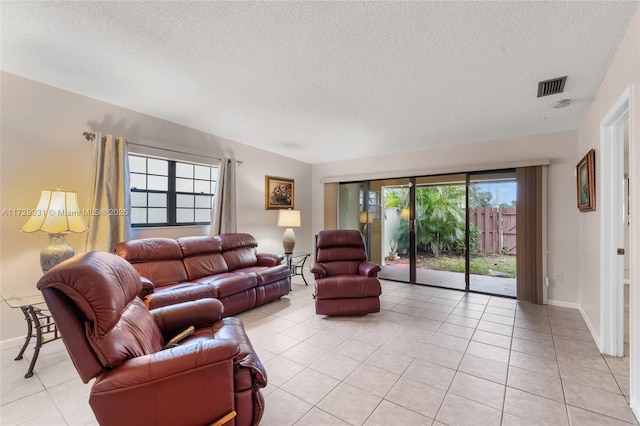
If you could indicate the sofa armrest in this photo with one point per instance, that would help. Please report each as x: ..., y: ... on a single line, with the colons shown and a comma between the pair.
x: 369, y: 269
x: 147, y: 288
x: 318, y: 270
x: 153, y: 367
x: 174, y: 319
x: 169, y: 386
x: 267, y: 259
x: 231, y: 328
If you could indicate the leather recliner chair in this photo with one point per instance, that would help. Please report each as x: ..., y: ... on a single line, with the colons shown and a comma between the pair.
x: 212, y: 374
x: 345, y: 282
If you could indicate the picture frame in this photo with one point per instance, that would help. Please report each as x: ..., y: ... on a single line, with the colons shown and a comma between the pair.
x: 279, y: 193
x: 586, y: 182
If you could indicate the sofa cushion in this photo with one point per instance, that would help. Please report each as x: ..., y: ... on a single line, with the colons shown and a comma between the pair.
x: 202, y: 256
x: 146, y: 249
x: 240, y: 258
x: 229, y: 283
x: 193, y: 246
x: 157, y: 259
x: 342, y: 267
x: 265, y: 274
x: 239, y: 250
x: 238, y: 240
x: 205, y: 265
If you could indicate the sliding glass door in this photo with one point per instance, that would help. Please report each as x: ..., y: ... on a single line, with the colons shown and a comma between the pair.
x: 453, y: 231
x: 440, y: 223
x: 492, y: 236
x: 395, y: 228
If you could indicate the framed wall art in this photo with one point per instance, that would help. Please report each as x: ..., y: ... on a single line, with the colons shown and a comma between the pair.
x: 586, y: 180
x: 278, y: 193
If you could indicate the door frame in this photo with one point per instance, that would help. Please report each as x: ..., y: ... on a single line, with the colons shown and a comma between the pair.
x: 611, y: 227
x: 611, y: 193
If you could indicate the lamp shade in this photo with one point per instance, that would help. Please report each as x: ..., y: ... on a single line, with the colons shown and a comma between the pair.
x: 289, y: 218
x: 57, y: 213
x: 365, y: 217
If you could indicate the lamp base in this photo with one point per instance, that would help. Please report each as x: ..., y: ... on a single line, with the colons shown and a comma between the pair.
x: 55, y: 252
x: 288, y: 241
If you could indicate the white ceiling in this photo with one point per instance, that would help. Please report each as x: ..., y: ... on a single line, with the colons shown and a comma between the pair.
x: 320, y: 81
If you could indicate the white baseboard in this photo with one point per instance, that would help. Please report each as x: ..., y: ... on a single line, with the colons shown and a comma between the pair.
x: 592, y: 330
x: 563, y: 304
x: 15, y: 342
x: 590, y: 326
x: 635, y: 408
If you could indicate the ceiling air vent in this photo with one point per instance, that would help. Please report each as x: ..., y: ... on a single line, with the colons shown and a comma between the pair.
x: 551, y: 87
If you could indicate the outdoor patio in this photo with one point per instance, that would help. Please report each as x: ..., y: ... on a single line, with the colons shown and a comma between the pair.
x: 455, y: 280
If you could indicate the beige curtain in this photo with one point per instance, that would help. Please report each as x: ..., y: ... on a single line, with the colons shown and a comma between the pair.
x: 223, y: 215
x: 109, y: 221
x: 529, y: 239
x: 331, y: 205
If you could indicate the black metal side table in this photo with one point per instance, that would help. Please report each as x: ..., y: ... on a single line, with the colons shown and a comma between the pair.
x: 40, y: 324
x: 296, y: 264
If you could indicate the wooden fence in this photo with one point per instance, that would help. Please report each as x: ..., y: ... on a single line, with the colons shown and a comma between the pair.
x: 497, y: 229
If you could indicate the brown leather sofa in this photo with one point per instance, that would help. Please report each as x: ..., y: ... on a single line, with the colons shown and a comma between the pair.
x: 346, y: 283
x: 111, y: 336
x: 226, y: 267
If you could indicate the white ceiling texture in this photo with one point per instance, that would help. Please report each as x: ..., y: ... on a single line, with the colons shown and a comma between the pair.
x: 319, y: 81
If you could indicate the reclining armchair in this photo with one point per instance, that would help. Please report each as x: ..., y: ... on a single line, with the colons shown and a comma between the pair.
x: 345, y: 282
x: 211, y: 375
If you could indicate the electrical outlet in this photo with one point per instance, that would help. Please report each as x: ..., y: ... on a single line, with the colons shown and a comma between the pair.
x: 559, y: 277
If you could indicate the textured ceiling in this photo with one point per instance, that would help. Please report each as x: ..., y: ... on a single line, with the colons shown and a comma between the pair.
x: 320, y: 81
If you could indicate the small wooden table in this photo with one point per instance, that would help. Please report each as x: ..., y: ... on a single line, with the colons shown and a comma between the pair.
x: 40, y: 324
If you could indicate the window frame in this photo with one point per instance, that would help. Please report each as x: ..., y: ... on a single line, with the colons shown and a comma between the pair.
x: 172, y: 193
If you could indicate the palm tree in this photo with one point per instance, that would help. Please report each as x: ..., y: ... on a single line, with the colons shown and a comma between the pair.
x: 440, y: 218
x: 440, y: 221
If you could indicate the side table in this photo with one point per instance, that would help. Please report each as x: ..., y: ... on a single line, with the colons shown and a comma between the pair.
x: 40, y: 324
x: 296, y: 264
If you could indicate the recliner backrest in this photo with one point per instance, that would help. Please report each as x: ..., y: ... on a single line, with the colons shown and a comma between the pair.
x: 93, y: 299
x: 341, y: 251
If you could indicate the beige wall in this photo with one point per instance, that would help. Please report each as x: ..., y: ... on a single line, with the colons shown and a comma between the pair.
x: 42, y: 147
x: 623, y: 71
x: 559, y: 148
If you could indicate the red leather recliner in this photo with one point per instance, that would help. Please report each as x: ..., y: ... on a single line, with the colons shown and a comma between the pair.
x: 346, y: 283
x: 110, y: 335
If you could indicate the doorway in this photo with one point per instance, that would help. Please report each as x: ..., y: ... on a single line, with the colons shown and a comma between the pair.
x: 615, y: 128
x: 492, y: 232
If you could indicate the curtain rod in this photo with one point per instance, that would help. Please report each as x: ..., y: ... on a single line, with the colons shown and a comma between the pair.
x: 91, y: 136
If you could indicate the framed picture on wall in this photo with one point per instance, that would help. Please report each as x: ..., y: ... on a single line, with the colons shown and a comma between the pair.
x: 586, y: 180
x: 278, y: 193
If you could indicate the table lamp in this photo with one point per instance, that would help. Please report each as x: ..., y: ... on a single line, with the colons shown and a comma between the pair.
x: 365, y: 218
x: 289, y: 218
x: 57, y: 214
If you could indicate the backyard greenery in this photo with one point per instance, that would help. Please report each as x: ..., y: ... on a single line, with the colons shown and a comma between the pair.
x: 440, y: 228
x: 478, y: 265
x: 440, y: 218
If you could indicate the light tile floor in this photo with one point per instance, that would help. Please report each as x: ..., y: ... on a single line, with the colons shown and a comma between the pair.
x: 430, y: 357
